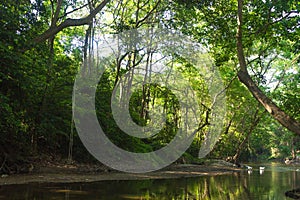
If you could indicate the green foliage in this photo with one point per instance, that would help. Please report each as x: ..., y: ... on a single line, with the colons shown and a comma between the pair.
x: 36, y: 81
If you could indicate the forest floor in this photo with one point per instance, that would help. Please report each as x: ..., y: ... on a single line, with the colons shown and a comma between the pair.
x: 69, y: 173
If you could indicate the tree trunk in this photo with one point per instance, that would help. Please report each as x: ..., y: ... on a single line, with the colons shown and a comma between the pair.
x: 269, y: 105
x: 243, y: 75
x: 255, y: 122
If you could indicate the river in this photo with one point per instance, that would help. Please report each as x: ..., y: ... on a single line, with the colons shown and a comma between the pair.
x: 268, y: 184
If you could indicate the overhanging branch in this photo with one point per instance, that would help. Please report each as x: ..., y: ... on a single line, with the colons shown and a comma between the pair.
x: 69, y: 23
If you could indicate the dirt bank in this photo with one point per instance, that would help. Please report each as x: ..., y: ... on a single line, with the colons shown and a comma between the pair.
x: 70, y: 173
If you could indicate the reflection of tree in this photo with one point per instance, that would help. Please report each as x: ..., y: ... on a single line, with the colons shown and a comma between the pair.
x: 294, y: 194
x: 206, y: 188
x: 244, y: 184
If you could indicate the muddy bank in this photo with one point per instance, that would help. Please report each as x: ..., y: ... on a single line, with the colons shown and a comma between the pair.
x: 70, y: 174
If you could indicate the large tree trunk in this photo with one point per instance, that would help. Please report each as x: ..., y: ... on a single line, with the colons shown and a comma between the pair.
x: 278, y: 114
x: 269, y: 105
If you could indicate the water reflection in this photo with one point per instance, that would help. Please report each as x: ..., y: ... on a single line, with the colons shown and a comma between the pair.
x: 261, y: 170
x: 269, y: 183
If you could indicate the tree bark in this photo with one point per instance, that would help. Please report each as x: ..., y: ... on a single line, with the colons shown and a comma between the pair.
x: 243, y: 75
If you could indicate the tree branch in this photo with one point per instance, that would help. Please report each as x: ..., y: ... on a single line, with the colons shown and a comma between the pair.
x: 76, y: 9
x: 70, y: 22
x: 264, y: 28
x: 56, y: 13
x: 138, y: 23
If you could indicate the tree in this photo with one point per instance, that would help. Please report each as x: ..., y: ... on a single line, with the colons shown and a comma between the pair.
x: 44, y: 43
x: 233, y: 29
x: 35, y: 85
x: 278, y: 114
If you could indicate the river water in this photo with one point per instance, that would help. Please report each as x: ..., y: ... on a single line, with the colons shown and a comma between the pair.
x: 268, y: 184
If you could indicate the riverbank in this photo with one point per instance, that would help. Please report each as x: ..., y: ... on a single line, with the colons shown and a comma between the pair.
x: 72, y: 174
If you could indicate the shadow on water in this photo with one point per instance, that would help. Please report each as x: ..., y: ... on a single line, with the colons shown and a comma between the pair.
x: 270, y: 183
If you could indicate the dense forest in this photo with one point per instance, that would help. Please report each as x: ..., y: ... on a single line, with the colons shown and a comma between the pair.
x: 254, y: 45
